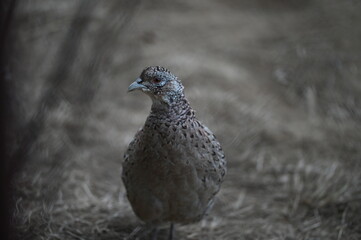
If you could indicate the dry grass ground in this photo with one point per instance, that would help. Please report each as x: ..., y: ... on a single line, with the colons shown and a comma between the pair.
x: 277, y: 81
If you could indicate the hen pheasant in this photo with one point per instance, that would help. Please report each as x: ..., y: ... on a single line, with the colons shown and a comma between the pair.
x: 174, y: 166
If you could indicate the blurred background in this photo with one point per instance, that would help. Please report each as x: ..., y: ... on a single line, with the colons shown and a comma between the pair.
x: 277, y: 81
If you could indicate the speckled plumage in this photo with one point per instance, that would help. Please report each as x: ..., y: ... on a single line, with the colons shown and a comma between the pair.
x: 174, y: 166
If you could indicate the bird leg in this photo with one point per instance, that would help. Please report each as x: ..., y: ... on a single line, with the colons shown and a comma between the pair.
x: 171, y: 231
x: 154, y: 234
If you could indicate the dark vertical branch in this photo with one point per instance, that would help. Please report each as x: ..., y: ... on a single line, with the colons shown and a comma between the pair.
x: 6, y: 16
x: 58, y: 77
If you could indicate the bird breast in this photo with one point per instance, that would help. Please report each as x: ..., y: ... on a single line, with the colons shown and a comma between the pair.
x: 176, y: 168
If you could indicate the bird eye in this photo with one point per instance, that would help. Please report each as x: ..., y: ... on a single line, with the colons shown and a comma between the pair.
x: 156, y: 80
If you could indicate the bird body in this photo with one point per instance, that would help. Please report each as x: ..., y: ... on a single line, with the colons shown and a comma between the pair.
x: 174, y: 166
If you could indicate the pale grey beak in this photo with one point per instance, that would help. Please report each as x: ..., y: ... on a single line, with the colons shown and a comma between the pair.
x: 136, y: 85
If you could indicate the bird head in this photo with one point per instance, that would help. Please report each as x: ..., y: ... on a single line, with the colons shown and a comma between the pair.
x: 159, y: 83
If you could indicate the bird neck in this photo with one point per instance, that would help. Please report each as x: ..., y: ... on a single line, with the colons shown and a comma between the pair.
x: 173, y: 108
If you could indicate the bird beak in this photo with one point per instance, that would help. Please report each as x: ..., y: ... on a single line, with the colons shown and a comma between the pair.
x: 136, y: 85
